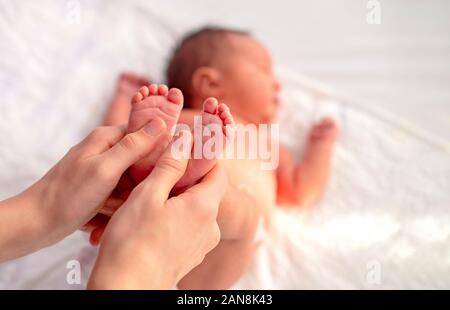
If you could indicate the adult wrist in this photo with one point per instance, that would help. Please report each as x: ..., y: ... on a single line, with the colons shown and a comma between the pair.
x: 128, y: 268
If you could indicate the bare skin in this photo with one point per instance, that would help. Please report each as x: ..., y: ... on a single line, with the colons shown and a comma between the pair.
x: 154, y: 101
x: 166, y: 237
x: 255, y: 101
x: 301, y: 184
x: 251, y: 192
x: 119, y: 111
x: 239, y: 214
x: 246, y: 204
x: 73, y: 191
x: 158, y: 102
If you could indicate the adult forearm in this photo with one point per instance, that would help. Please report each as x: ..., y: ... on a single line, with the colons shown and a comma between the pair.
x: 22, y: 228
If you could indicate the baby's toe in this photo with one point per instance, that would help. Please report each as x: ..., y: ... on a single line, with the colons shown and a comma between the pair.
x: 144, y: 91
x: 223, y: 108
x: 162, y: 90
x: 210, y: 105
x: 153, y: 90
x: 225, y: 114
x: 137, y: 97
x: 228, y: 120
x: 175, y: 96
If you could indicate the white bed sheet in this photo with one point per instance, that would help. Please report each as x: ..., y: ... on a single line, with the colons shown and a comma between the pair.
x: 386, y: 204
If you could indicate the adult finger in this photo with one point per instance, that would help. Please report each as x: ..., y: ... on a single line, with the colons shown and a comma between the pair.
x: 170, y: 167
x: 111, y: 205
x: 133, y: 147
x: 209, y: 191
x: 102, y: 139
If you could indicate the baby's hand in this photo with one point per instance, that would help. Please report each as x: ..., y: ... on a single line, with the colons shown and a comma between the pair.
x: 325, y: 131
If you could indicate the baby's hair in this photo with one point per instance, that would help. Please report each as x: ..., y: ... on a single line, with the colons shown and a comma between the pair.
x: 198, y: 48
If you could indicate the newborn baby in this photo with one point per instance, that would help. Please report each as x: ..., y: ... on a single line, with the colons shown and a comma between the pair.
x: 237, y: 70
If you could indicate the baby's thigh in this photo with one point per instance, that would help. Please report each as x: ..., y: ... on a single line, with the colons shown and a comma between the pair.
x: 248, y: 175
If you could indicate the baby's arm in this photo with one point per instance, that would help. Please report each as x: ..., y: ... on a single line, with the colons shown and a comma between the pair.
x: 303, y: 183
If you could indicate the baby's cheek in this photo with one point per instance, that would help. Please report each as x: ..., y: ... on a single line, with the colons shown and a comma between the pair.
x: 253, y: 91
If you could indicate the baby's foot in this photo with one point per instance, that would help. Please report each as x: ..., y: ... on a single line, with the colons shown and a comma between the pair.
x: 213, y: 115
x: 149, y: 103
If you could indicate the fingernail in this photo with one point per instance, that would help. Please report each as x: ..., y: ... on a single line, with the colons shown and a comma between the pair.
x: 155, y: 127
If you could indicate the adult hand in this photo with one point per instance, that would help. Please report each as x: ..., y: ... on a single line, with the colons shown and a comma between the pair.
x: 74, y: 190
x: 152, y: 241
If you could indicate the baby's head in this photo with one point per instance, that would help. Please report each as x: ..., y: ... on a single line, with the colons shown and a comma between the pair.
x: 229, y: 65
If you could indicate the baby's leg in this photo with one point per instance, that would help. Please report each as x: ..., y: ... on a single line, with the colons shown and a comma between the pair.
x: 249, y: 196
x: 241, y: 212
x: 213, y: 114
x: 154, y: 101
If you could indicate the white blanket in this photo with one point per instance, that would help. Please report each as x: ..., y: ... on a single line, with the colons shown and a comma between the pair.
x: 383, y: 221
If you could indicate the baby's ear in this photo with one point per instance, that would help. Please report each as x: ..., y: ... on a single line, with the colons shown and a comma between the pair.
x: 206, y: 82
